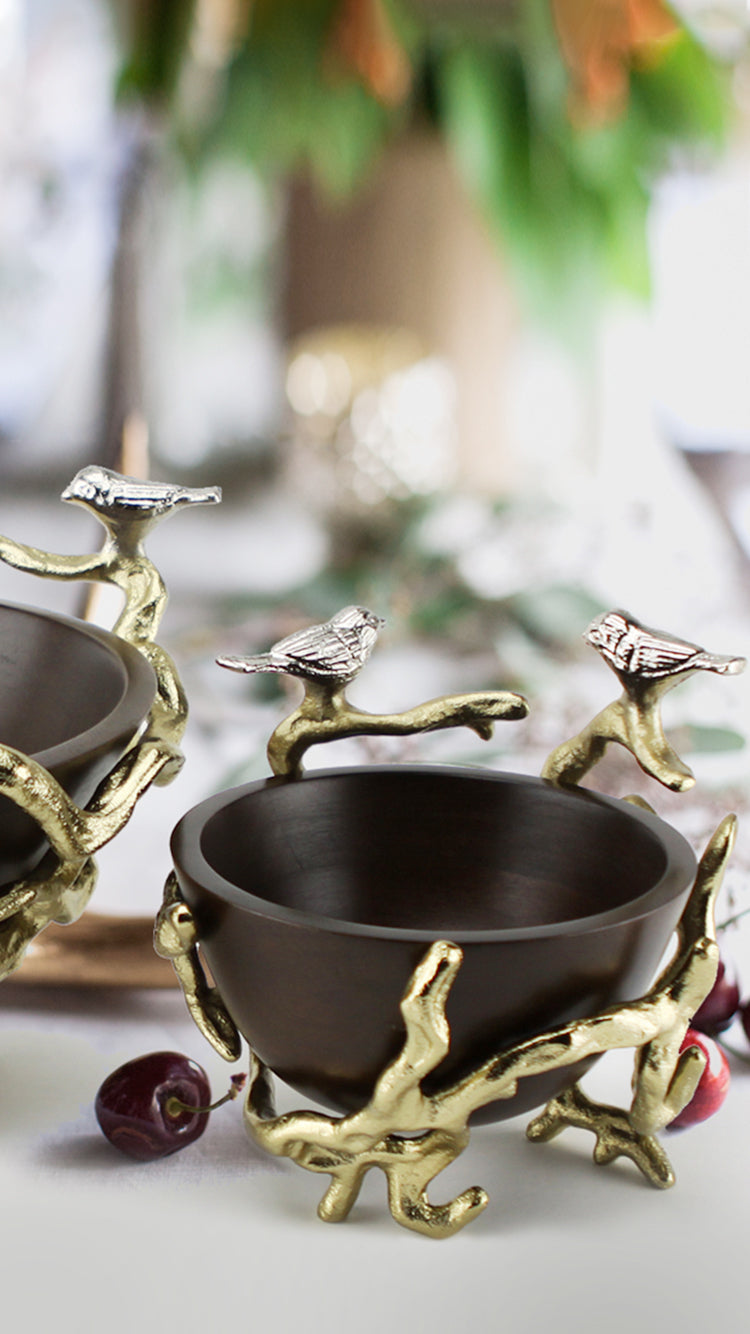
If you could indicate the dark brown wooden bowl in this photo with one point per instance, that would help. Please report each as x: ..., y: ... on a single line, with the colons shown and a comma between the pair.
x: 73, y: 698
x: 315, y: 900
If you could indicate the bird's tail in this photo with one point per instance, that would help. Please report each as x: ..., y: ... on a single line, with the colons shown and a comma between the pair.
x: 712, y: 662
x: 199, y: 495
x: 262, y: 663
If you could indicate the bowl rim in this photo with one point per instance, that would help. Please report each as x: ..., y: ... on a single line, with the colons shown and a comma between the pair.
x: 192, y: 866
x: 129, y: 711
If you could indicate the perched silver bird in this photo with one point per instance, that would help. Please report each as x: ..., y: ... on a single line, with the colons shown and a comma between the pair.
x: 334, y: 651
x: 632, y: 649
x: 110, y: 495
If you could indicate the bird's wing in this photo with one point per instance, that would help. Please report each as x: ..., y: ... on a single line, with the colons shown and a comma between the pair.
x: 332, y: 648
x: 344, y: 650
x: 658, y: 655
x: 302, y: 644
x: 132, y: 494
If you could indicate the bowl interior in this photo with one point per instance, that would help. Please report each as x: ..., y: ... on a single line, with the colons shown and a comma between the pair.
x: 72, y: 697
x: 444, y: 852
x: 55, y: 681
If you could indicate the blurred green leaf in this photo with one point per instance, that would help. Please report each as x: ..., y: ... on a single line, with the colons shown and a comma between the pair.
x: 285, y: 108
x: 155, y: 35
x: 684, y: 96
x: 711, y: 740
x: 555, y: 615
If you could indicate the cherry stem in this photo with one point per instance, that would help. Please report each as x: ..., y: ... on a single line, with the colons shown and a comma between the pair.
x: 174, y: 1106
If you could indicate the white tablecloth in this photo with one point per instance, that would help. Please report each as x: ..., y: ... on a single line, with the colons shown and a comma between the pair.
x: 217, y: 1236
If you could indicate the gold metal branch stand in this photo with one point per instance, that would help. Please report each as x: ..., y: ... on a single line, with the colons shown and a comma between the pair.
x: 128, y: 509
x: 411, y: 1136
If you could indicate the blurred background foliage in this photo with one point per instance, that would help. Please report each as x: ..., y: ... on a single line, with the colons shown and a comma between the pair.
x: 561, y: 117
x: 561, y: 113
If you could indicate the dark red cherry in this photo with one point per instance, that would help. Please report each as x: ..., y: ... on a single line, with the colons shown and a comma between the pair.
x: 713, y: 1085
x: 138, y: 1105
x: 721, y: 1004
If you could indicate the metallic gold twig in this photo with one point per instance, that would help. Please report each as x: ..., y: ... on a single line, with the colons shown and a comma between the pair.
x: 74, y: 833
x: 176, y: 939
x: 349, y: 1147
x: 325, y: 714
x: 615, y: 1135
x: 664, y: 1078
x: 60, y: 896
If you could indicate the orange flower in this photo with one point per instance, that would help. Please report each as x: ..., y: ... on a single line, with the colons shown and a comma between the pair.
x: 601, y: 41
x: 362, y: 40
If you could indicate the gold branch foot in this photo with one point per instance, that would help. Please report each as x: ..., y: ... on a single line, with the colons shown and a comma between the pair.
x: 343, y: 1192
x: 419, y: 1162
x: 342, y: 1149
x: 615, y: 1136
x: 400, y: 1131
x: 73, y: 835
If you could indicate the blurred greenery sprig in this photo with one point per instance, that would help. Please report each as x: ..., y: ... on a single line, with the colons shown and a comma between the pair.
x: 561, y: 114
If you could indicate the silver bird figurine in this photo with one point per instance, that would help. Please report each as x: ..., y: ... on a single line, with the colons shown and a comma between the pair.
x: 112, y: 496
x: 332, y: 652
x: 634, y: 650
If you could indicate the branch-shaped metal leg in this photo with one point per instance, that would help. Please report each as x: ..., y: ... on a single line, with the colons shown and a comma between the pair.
x: 167, y: 719
x: 73, y: 834
x: 665, y: 1078
x: 128, y: 509
x: 349, y: 1147
x: 615, y: 1136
